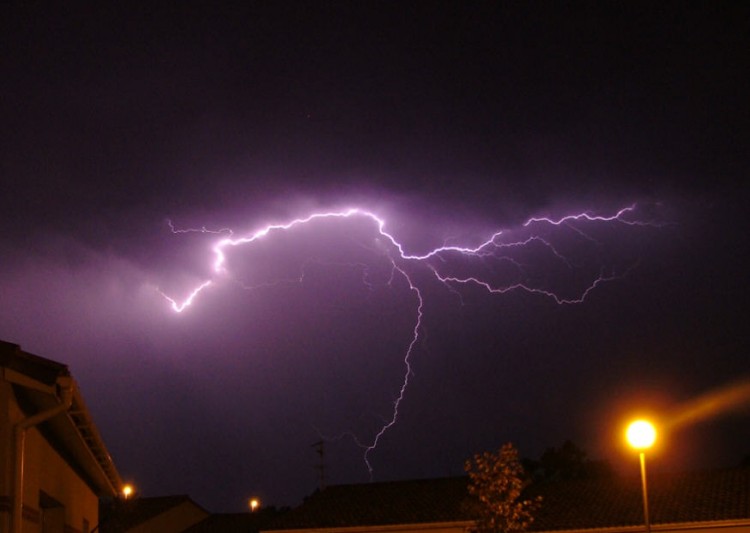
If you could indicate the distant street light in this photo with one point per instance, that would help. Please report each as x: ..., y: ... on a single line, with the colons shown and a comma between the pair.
x: 641, y: 435
x: 254, y: 504
x: 127, y: 491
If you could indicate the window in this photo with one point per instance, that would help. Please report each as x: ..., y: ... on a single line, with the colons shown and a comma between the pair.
x: 53, y: 514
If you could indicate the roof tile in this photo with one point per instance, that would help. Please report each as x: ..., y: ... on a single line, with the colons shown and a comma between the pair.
x: 573, y: 504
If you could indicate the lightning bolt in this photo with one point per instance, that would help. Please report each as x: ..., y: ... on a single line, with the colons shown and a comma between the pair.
x: 495, y: 249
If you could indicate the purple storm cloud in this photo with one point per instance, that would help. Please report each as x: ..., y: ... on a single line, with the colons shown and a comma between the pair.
x: 500, y: 263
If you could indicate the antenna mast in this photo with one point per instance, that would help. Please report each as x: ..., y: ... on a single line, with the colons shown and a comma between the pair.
x: 321, y: 466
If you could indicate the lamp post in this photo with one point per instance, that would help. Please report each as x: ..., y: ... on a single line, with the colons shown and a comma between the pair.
x: 641, y: 435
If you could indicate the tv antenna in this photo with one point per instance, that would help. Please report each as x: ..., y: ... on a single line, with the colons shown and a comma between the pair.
x: 321, y: 466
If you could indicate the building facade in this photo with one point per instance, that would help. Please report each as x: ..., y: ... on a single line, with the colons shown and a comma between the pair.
x: 54, y: 466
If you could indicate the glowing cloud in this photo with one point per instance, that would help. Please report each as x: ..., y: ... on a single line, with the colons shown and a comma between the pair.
x: 497, y: 265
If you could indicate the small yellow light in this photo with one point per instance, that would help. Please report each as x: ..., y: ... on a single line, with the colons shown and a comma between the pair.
x: 641, y: 434
x: 127, y: 491
x: 254, y: 504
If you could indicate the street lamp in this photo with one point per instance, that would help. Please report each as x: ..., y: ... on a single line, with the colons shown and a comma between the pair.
x: 127, y: 491
x: 641, y: 435
x: 254, y: 504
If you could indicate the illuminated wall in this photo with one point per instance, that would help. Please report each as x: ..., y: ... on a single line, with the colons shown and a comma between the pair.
x: 54, y: 494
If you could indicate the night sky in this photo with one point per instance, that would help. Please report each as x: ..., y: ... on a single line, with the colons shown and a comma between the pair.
x: 124, y: 125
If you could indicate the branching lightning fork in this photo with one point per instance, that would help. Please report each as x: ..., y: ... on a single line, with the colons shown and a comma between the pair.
x: 497, y: 246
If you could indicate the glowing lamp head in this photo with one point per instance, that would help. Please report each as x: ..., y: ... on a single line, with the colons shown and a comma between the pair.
x: 641, y: 434
x: 254, y: 504
x: 127, y: 491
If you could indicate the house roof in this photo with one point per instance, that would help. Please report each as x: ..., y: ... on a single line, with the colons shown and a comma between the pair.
x: 717, y: 495
x: 703, y: 496
x: 234, y: 522
x: 395, y: 502
x: 74, y: 435
x: 123, y: 515
x: 33, y: 366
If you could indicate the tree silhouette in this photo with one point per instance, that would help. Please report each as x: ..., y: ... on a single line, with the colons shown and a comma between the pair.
x: 495, y: 482
x: 568, y: 462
